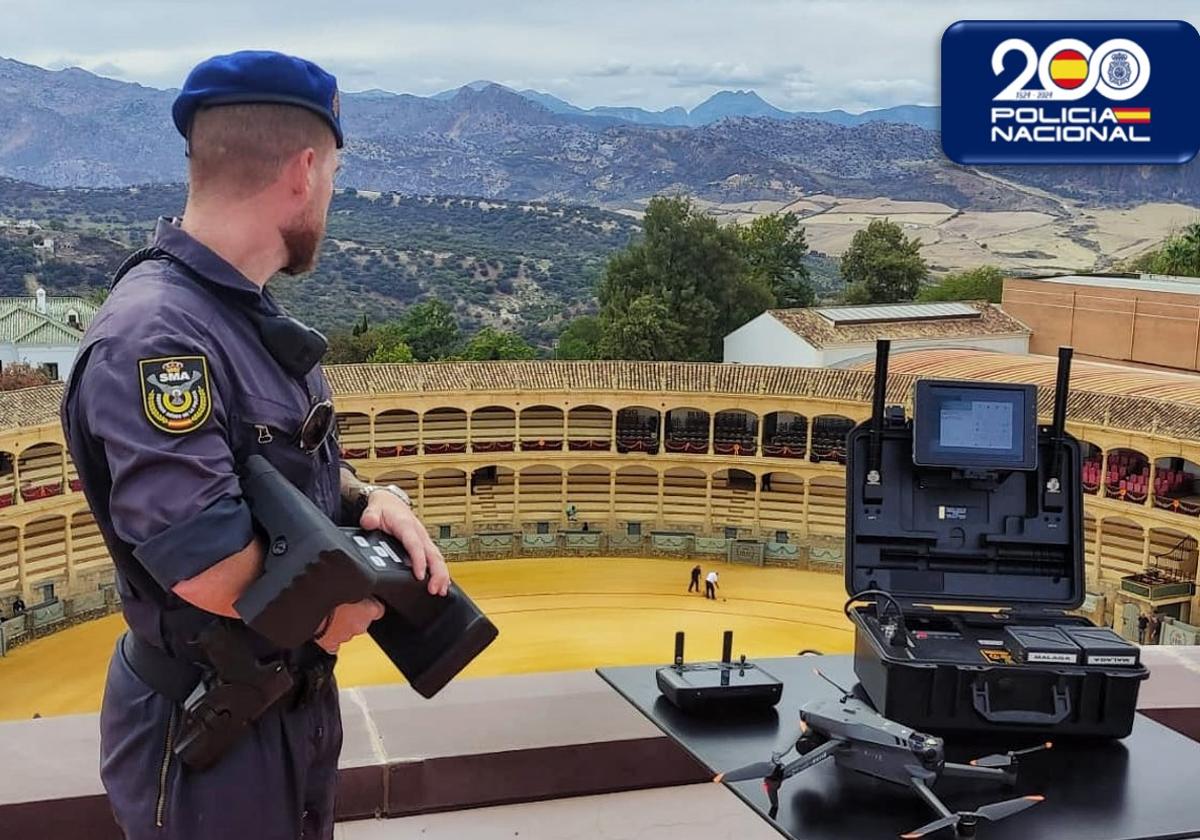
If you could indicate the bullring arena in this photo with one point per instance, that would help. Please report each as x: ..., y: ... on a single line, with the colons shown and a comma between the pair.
x: 574, y: 497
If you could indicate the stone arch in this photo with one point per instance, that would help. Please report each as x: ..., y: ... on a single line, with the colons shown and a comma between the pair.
x: 397, y: 431
x: 444, y: 431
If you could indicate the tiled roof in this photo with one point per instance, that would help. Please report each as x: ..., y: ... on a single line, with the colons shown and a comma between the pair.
x: 820, y: 331
x: 24, y: 326
x: 1139, y: 401
x: 1135, y: 399
x: 30, y: 406
x: 21, y: 323
x: 57, y: 307
x: 1099, y: 377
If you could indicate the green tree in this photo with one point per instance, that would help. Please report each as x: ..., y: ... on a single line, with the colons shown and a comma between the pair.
x: 983, y: 283
x: 430, y: 330
x: 882, y: 265
x: 1180, y: 254
x: 775, y: 248
x: 695, y: 275
x: 490, y: 344
x: 389, y: 344
x: 580, y: 339
x: 646, y: 330
x: 345, y: 348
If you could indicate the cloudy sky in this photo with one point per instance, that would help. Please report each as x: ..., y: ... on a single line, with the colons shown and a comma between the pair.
x: 798, y: 54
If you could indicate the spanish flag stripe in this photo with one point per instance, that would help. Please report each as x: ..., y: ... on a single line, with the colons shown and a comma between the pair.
x: 1132, y: 115
x: 1068, y: 68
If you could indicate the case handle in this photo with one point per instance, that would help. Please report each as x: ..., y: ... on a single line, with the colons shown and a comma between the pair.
x: 983, y: 705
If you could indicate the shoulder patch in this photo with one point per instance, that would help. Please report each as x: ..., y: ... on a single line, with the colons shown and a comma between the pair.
x: 176, y: 392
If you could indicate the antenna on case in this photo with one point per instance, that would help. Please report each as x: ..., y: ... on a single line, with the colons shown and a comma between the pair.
x: 874, y: 476
x: 1058, y: 427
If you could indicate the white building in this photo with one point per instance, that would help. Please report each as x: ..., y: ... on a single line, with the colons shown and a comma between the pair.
x: 841, y: 336
x: 43, y: 331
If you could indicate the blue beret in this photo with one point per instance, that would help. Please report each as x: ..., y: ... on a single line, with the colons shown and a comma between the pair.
x: 258, y: 76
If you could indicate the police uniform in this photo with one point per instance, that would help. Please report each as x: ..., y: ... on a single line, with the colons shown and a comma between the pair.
x: 173, y: 387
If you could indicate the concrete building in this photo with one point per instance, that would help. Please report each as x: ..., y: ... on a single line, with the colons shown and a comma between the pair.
x: 841, y: 336
x: 43, y: 331
x: 1148, y: 319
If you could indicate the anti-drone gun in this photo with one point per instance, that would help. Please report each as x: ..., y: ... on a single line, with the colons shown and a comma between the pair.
x: 312, y: 566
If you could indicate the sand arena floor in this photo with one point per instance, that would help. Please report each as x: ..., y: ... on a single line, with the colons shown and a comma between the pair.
x: 553, y: 614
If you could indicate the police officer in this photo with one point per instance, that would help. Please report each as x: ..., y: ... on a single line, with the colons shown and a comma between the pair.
x: 189, y: 368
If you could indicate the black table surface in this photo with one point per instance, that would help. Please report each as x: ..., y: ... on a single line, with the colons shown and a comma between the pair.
x: 1144, y: 787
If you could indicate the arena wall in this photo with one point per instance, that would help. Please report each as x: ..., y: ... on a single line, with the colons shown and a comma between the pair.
x: 539, y: 450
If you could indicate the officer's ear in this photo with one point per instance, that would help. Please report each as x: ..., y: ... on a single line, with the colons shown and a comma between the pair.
x: 300, y: 174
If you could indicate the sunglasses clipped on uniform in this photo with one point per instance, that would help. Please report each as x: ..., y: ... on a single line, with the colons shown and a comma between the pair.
x: 316, y: 428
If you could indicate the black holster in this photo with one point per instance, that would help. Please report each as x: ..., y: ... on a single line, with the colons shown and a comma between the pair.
x: 219, y: 702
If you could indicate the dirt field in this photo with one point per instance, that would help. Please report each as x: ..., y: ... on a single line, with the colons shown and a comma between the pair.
x: 1073, y: 238
x: 553, y: 615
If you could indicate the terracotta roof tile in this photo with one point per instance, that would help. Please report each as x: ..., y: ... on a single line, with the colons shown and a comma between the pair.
x: 1136, y: 401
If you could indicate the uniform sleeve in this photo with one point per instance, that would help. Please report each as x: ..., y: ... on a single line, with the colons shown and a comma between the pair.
x: 155, y: 406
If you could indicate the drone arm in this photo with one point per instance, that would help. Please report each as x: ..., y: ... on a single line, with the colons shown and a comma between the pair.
x: 967, y: 771
x: 922, y: 790
x: 810, y: 758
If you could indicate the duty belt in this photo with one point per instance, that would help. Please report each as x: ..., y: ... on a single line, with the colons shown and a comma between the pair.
x: 219, y: 705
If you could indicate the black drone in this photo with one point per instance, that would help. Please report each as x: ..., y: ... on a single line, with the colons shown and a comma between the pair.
x: 860, y: 739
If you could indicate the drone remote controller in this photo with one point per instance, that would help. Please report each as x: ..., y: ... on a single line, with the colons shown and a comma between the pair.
x: 708, y: 686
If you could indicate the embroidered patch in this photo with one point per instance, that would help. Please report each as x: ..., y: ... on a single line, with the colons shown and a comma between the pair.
x: 176, y: 393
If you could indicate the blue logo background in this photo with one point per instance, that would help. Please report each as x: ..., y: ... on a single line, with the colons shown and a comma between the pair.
x: 969, y: 87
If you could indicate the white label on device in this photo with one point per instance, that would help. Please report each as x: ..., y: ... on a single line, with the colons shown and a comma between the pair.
x: 991, y: 642
x: 1111, y: 660
x: 1068, y: 658
x: 392, y: 553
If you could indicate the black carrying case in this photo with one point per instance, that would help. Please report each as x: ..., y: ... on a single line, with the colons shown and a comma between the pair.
x: 984, y: 563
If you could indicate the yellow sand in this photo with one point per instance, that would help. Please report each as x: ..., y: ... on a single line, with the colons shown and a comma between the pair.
x: 553, y: 615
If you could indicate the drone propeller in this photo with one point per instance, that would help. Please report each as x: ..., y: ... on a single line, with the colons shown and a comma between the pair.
x: 1000, y: 810
x: 930, y: 828
x: 771, y: 773
x: 999, y: 760
x: 992, y: 813
x: 758, y: 770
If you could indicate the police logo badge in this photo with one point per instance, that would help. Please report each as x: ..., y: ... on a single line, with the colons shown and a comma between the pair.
x: 176, y: 393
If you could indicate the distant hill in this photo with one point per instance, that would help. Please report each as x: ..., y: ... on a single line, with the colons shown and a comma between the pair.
x: 71, y: 128
x: 735, y: 103
x: 523, y: 266
x: 725, y: 103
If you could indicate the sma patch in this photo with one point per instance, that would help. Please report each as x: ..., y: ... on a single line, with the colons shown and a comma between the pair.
x: 176, y: 392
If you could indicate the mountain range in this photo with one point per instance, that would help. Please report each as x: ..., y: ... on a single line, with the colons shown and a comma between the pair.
x: 719, y: 106
x: 73, y: 128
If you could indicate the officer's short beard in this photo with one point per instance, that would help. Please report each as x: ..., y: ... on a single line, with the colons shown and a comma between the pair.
x: 302, y: 238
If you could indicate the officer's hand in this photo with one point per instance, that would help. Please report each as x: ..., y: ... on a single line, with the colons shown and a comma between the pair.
x: 389, y: 514
x: 348, y: 621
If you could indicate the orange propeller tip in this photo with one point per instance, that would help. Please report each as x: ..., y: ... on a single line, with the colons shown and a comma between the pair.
x: 974, y: 762
x: 1036, y: 798
x: 1049, y: 745
x: 718, y: 778
x: 909, y: 836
